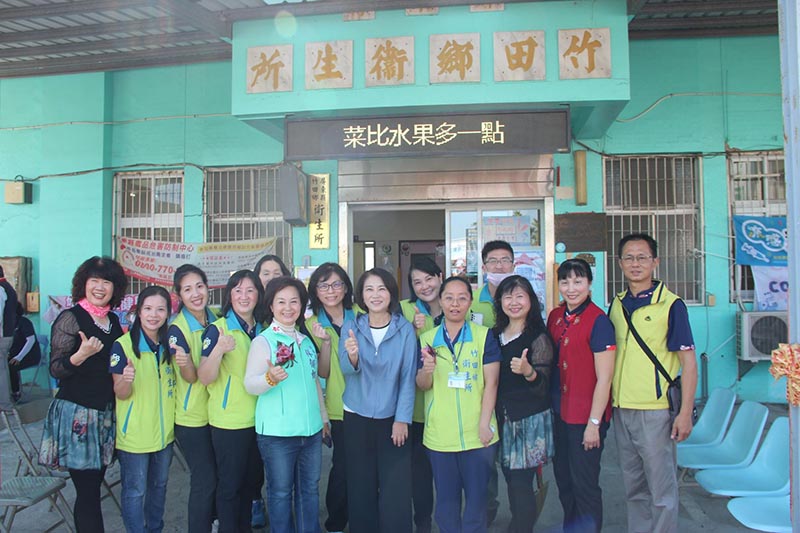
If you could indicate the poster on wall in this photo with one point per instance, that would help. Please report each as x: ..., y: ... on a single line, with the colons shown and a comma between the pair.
x: 156, y: 261
x: 771, y: 288
x: 761, y: 241
x: 530, y: 264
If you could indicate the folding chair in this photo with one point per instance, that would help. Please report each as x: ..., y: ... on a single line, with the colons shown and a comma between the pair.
x: 33, y: 486
x: 44, y: 344
x: 30, y: 413
x: 764, y: 514
x: 767, y: 475
x: 713, y: 421
x: 738, y: 447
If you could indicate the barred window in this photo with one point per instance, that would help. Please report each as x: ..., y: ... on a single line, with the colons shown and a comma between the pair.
x: 148, y: 205
x: 658, y: 195
x: 242, y: 204
x: 757, y: 186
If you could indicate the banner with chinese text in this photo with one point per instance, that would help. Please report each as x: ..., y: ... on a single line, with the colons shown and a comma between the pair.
x: 156, y: 261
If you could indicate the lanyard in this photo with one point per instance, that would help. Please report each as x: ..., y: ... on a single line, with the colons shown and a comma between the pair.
x: 451, y: 345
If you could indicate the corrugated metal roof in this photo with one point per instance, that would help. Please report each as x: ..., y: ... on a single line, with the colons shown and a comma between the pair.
x: 40, y: 37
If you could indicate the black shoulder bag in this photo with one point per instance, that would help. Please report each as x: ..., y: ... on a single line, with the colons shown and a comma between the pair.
x: 674, y: 392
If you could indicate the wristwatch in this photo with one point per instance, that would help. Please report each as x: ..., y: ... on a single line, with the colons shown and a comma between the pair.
x: 595, y: 421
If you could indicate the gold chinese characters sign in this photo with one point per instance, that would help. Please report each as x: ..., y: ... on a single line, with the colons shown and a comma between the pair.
x: 269, y: 68
x: 329, y: 65
x: 319, y: 229
x: 519, y: 55
x: 455, y: 57
x: 584, y: 53
x: 389, y: 61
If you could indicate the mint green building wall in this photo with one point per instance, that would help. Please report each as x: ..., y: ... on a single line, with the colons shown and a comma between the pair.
x: 734, y: 101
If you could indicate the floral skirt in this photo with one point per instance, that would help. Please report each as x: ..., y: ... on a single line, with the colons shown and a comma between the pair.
x: 528, y: 442
x: 77, y: 437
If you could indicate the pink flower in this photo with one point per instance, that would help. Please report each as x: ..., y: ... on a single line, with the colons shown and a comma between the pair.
x: 285, y: 355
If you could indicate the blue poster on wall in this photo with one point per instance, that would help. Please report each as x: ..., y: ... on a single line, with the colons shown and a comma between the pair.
x: 760, y: 241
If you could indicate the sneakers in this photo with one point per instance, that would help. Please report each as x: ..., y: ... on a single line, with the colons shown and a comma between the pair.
x: 258, y: 515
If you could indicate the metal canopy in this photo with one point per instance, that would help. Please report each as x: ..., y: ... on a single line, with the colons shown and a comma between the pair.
x: 42, y: 37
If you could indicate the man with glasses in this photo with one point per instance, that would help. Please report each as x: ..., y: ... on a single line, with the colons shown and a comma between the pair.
x: 645, y: 432
x: 498, y: 264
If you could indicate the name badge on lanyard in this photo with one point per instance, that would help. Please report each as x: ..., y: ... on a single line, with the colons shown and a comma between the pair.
x: 457, y: 380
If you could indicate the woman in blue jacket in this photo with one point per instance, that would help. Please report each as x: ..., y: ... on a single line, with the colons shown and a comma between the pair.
x: 290, y: 411
x: 379, y: 372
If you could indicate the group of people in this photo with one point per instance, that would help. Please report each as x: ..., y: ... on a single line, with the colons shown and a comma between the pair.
x: 428, y: 392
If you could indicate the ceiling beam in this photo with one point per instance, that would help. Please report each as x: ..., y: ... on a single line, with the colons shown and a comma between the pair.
x: 642, y: 35
x: 196, y: 15
x: 118, y: 61
x: 91, y: 30
x: 712, y: 6
x: 685, y: 23
x: 634, y: 6
x: 163, y: 39
x: 61, y: 9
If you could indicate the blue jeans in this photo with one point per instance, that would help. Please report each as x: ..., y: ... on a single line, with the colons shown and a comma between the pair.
x: 293, y: 466
x: 144, y: 489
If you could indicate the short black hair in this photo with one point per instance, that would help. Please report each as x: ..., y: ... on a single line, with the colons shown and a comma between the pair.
x: 276, y: 285
x: 457, y: 279
x: 183, y: 271
x: 269, y: 257
x: 233, y: 282
x: 136, y: 327
x: 651, y: 242
x: 103, y: 268
x: 390, y: 283
x: 2, y: 274
x: 579, y: 267
x: 323, y: 273
x: 495, y: 245
x: 423, y: 264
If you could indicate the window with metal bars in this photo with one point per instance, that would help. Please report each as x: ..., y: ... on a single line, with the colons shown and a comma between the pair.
x: 658, y: 195
x: 241, y: 203
x: 148, y: 205
x: 757, y: 186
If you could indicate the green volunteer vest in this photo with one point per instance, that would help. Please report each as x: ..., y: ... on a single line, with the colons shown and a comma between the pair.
x: 452, y: 415
x: 230, y: 406
x: 636, y: 383
x: 191, y: 399
x: 146, y: 420
x: 482, y: 307
x: 408, y: 312
x: 334, y: 383
x: 291, y: 408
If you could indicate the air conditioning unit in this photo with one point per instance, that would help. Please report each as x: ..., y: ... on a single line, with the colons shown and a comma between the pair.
x: 760, y: 332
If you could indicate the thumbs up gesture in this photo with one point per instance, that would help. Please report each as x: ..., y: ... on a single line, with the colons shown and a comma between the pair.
x: 419, y: 318
x: 129, y: 373
x: 182, y: 359
x: 351, y: 345
x: 89, y: 346
x: 428, y: 360
x: 520, y: 365
x: 276, y: 373
x: 226, y: 343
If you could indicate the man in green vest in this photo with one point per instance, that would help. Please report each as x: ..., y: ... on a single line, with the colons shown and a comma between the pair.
x: 645, y: 432
x: 498, y: 264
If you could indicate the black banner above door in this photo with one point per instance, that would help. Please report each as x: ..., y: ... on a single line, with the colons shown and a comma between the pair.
x: 528, y: 132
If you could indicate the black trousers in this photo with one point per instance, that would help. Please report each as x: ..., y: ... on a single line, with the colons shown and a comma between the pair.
x: 378, y: 476
x: 521, y: 499
x: 237, y: 459
x: 195, y: 443
x: 86, y: 511
x: 577, y: 473
x: 421, y: 479
x: 336, y: 495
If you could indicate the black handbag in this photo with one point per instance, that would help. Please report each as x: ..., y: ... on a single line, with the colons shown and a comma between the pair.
x: 674, y: 391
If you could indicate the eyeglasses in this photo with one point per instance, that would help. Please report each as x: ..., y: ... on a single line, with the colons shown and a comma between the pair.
x: 335, y: 286
x: 449, y: 300
x: 492, y: 261
x: 641, y: 259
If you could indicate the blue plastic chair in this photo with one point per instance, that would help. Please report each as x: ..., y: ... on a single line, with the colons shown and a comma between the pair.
x: 767, y: 475
x: 764, y: 514
x: 738, y: 447
x: 713, y: 421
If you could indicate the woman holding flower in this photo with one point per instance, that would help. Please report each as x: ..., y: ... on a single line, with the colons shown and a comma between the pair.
x: 290, y: 412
